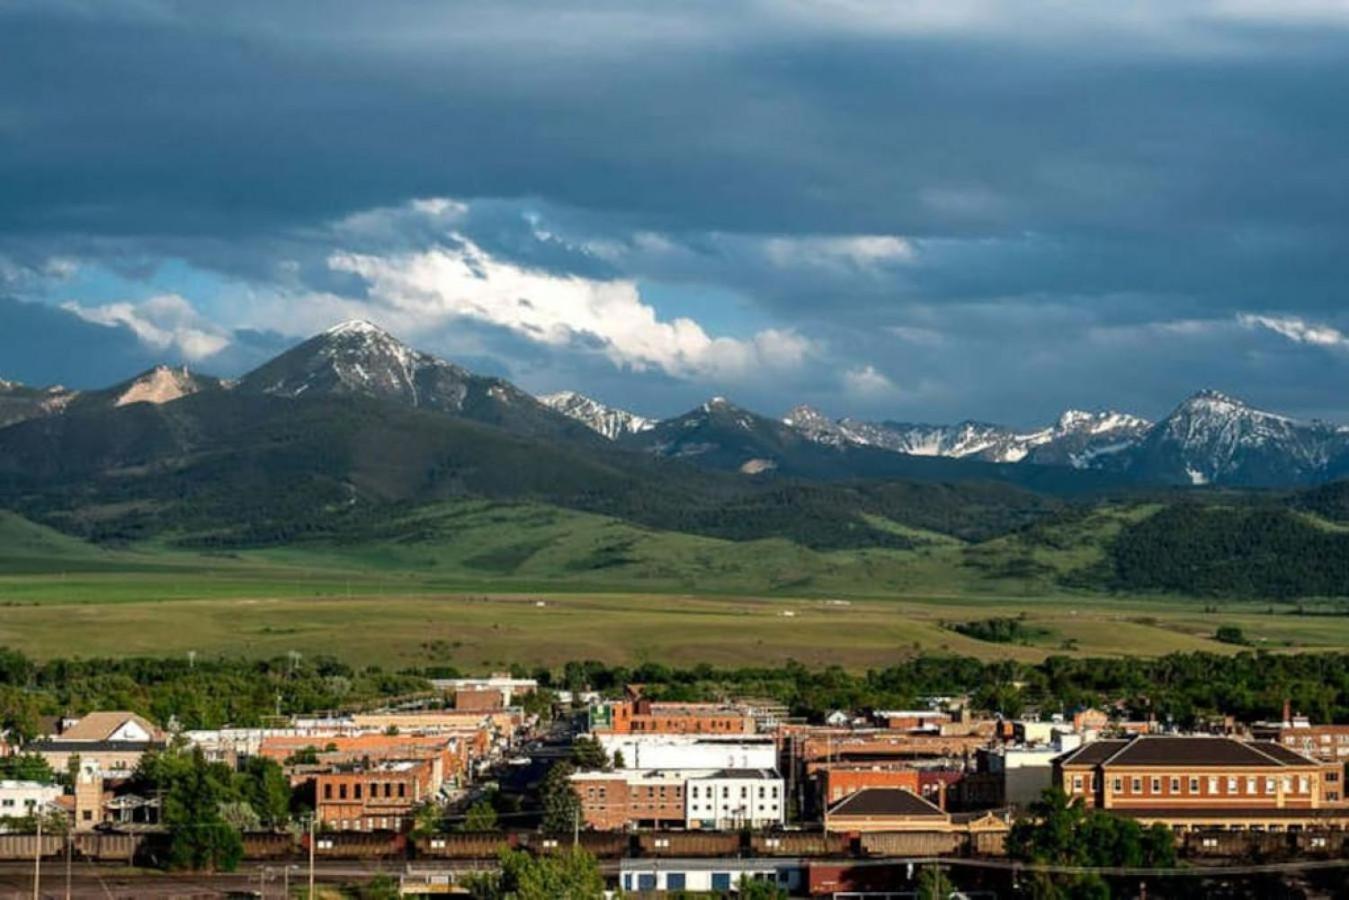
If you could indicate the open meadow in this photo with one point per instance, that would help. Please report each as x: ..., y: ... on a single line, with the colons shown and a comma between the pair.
x: 483, y: 586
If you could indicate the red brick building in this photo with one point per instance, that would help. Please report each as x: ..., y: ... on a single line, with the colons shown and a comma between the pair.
x: 1204, y: 782
x: 621, y: 799
x: 1328, y: 743
x: 643, y: 716
x: 381, y: 797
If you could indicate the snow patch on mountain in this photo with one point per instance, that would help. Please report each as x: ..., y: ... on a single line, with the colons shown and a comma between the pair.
x: 1077, y: 438
x: 609, y: 421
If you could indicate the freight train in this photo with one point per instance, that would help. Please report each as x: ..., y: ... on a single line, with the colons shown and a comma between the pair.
x: 113, y: 847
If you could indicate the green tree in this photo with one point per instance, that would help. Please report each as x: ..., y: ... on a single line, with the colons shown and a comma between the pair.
x: 199, y: 837
x: 587, y: 754
x: 561, y: 805
x: 1230, y: 634
x: 26, y: 767
x: 429, y: 819
x: 933, y: 884
x: 381, y: 887
x: 568, y: 875
x: 263, y: 783
x: 1059, y: 832
x: 759, y: 889
x: 481, y: 816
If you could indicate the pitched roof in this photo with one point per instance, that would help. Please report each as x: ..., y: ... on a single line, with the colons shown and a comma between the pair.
x: 1163, y: 750
x: 99, y: 726
x: 1286, y: 755
x: 1091, y: 754
x: 885, y: 802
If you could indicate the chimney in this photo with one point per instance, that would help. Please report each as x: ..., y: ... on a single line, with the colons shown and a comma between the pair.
x: 1287, y: 711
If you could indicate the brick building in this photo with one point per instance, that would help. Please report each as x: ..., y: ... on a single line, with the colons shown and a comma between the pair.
x: 1204, y: 782
x: 838, y: 780
x: 612, y: 801
x: 378, y: 797
x: 1328, y: 743
x: 644, y: 716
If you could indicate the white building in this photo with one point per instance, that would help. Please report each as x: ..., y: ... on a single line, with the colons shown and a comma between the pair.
x: 678, y: 751
x: 21, y: 798
x: 699, y: 876
x: 735, y: 798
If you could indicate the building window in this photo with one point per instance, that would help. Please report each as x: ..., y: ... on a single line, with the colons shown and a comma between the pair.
x: 1118, y: 786
x: 341, y: 792
x: 1077, y: 782
x: 1194, y: 785
x: 327, y: 792
x: 1303, y: 784
x: 402, y: 789
x: 1155, y: 786
x: 1252, y: 784
x: 1175, y: 784
x: 1271, y: 785
x: 1231, y: 784
x: 1136, y: 785
x: 356, y: 791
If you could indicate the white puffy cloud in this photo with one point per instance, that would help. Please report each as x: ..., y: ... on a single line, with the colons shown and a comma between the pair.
x: 563, y: 310
x: 166, y: 322
x: 1297, y: 330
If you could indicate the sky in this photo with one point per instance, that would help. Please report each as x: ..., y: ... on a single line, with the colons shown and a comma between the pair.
x: 920, y: 210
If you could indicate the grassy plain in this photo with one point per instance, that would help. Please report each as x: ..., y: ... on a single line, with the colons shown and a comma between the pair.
x: 479, y: 585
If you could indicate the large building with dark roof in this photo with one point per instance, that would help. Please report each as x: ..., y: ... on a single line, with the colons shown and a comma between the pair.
x: 1205, y: 782
x: 894, y: 809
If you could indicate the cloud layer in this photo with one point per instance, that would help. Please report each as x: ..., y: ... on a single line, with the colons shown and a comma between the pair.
x: 917, y: 210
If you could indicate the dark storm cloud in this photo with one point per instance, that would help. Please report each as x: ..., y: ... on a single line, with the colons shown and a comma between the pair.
x: 1066, y: 179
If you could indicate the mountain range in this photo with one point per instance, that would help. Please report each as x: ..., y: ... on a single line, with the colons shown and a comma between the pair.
x: 330, y: 436
x: 1208, y: 439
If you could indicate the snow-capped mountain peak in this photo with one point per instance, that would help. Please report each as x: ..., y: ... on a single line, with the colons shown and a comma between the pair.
x: 356, y: 326
x: 609, y: 421
x: 1075, y: 439
x: 1212, y: 437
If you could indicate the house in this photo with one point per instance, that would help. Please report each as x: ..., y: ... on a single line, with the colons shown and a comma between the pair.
x: 108, y: 744
x: 1205, y: 782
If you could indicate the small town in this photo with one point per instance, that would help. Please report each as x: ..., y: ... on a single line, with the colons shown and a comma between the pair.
x: 681, y: 450
x: 429, y: 795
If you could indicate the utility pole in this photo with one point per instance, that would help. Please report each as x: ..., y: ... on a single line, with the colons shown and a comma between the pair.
x: 576, y: 827
x: 313, y: 822
x: 69, y: 840
x: 37, y: 857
